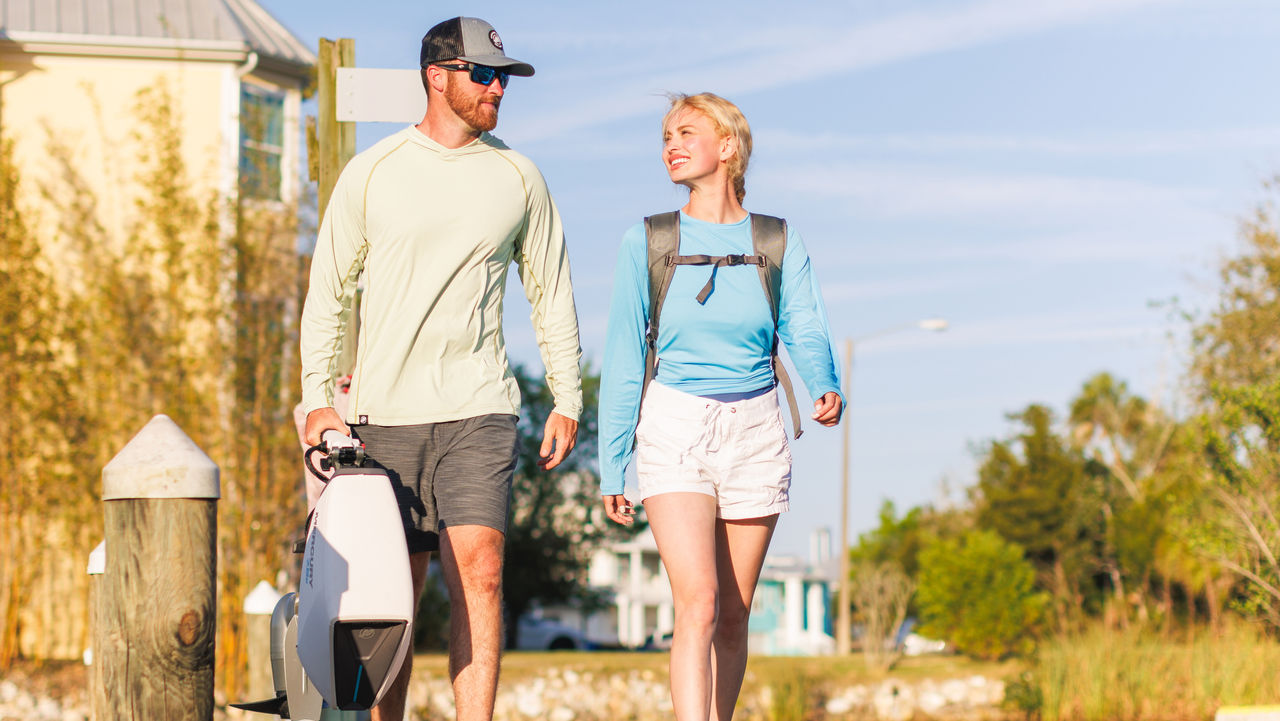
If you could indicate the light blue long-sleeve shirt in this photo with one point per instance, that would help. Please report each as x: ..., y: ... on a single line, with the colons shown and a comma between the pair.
x: 723, y: 346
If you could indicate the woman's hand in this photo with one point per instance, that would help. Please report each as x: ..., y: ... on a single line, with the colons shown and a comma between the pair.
x: 618, y: 509
x: 828, y: 408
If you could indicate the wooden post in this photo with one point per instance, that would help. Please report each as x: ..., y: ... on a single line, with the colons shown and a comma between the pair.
x: 335, y: 141
x: 157, y: 606
x: 258, y: 607
x: 844, y: 622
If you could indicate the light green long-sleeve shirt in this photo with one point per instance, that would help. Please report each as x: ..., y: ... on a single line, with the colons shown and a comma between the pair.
x: 433, y: 231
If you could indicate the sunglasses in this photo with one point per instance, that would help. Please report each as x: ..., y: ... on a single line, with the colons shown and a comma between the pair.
x: 482, y: 74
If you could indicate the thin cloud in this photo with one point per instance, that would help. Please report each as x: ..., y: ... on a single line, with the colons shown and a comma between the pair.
x: 881, y: 42
x: 1115, y: 144
x: 897, y: 191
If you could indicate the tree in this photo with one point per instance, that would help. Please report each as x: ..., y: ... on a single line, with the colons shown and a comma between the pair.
x: 1242, y: 443
x: 37, y: 471
x: 899, y: 540
x: 1032, y: 490
x: 1234, y: 369
x: 1237, y: 344
x: 1133, y: 441
x: 557, y: 520
x: 978, y: 593
x: 881, y: 592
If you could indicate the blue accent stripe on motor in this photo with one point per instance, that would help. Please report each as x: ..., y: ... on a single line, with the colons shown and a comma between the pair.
x: 359, y: 675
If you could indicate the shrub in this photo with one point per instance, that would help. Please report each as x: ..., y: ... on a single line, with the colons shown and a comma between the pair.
x: 979, y: 594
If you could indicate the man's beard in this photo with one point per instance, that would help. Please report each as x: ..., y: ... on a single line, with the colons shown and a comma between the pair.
x: 473, y: 111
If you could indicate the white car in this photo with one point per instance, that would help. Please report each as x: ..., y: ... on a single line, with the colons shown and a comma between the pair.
x: 546, y: 634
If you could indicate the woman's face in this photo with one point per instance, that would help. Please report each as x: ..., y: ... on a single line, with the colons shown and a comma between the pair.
x: 691, y: 148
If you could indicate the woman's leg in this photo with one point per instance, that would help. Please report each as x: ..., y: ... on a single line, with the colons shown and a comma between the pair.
x: 740, y: 550
x: 684, y: 525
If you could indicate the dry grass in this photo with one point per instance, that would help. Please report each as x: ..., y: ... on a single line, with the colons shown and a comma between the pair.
x: 1131, y: 676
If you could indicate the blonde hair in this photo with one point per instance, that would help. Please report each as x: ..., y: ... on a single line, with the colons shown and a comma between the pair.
x: 729, y: 122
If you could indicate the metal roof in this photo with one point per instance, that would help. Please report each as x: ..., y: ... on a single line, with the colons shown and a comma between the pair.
x: 187, y: 23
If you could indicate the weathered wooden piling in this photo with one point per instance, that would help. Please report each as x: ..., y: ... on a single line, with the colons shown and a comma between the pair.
x: 153, y: 643
x: 258, y: 607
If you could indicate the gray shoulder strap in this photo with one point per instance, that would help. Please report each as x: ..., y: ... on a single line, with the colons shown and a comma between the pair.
x: 662, y: 233
x: 769, y: 241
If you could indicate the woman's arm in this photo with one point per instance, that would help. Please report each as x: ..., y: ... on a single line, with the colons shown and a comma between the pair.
x: 802, y: 326
x: 622, y: 372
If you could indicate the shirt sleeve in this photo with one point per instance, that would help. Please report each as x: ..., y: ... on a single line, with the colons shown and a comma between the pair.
x: 802, y: 322
x: 543, y: 262
x: 336, y: 264
x: 622, y: 373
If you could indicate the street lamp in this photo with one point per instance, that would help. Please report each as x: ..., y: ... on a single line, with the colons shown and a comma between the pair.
x: 844, y: 623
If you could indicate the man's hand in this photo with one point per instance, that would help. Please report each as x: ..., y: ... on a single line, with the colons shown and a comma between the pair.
x: 828, y: 409
x: 618, y: 509
x: 321, y: 420
x: 559, y: 437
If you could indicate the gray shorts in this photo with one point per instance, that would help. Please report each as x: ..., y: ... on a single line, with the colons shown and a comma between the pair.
x: 456, y: 473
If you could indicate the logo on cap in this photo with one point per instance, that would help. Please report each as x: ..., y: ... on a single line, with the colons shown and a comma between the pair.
x: 493, y: 38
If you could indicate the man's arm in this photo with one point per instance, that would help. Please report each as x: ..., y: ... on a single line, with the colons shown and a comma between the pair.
x: 335, y: 268
x: 543, y: 262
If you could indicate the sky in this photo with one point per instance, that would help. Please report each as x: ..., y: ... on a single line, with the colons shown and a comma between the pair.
x: 1046, y: 175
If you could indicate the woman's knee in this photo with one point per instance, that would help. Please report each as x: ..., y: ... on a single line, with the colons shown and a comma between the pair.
x: 698, y: 609
x: 732, y: 619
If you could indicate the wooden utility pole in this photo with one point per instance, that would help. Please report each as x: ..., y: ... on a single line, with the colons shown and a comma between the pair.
x: 334, y: 142
x: 154, y: 634
x: 844, y: 626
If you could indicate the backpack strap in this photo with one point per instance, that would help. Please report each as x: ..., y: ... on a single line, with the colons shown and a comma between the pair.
x: 662, y: 232
x: 769, y: 241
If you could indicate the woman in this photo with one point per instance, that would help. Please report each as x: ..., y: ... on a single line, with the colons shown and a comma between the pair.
x: 712, y: 457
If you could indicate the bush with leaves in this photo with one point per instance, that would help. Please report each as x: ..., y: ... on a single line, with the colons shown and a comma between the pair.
x: 978, y: 593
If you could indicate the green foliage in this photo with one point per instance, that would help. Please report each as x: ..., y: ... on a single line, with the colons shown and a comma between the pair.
x: 1033, y: 490
x: 1238, y: 345
x: 1023, y: 694
x: 979, y: 594
x: 899, y: 540
x: 557, y: 519
x: 1236, y: 370
x: 1242, y: 446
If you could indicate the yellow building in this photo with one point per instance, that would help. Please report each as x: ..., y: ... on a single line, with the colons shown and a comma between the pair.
x: 71, y: 72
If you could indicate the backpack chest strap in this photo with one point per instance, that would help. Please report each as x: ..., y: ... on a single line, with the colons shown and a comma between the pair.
x: 715, y: 261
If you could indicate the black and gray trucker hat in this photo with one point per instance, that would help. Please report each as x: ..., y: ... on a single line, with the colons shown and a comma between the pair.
x: 470, y: 40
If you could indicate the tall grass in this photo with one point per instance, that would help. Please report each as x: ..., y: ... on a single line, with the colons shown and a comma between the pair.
x: 1103, y: 675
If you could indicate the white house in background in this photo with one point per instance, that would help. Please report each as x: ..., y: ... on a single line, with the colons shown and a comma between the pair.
x: 790, y: 614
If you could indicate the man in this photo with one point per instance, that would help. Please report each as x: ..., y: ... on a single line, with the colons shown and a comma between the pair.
x: 431, y: 218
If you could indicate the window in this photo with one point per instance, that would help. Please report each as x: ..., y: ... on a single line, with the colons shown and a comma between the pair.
x: 261, y: 142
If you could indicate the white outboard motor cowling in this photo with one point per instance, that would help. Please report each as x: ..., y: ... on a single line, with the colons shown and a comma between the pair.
x: 355, y: 601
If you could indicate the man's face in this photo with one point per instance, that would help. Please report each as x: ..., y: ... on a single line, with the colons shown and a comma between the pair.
x: 476, y: 104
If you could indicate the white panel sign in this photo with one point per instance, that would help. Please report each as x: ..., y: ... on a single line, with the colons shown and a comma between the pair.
x: 380, y: 95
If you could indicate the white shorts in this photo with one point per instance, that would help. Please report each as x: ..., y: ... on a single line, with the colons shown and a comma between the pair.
x: 735, y: 452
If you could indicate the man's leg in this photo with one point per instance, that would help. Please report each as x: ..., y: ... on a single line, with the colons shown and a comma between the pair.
x: 471, y: 557
x: 391, y: 707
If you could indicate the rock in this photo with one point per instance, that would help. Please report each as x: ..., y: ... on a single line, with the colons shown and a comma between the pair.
x: 955, y: 691
x: 48, y: 708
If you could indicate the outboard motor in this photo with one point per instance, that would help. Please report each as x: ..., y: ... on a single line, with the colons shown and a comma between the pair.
x: 354, y: 608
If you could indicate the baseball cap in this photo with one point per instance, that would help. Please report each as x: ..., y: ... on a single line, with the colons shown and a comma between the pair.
x: 470, y: 40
